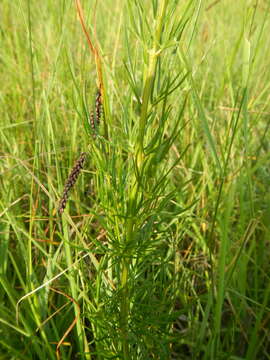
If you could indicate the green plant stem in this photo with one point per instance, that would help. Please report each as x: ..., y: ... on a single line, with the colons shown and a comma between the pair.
x: 31, y: 51
x: 153, y: 54
x: 124, y: 309
x: 125, y: 265
x: 82, y: 341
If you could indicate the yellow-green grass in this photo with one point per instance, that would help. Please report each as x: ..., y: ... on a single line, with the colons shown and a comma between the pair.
x: 162, y: 251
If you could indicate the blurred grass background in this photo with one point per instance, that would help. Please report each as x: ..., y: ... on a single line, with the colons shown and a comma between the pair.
x: 219, y: 249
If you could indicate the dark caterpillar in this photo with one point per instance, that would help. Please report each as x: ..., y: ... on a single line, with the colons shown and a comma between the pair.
x: 72, y: 178
x: 98, y: 107
x: 95, y: 116
x: 94, y: 120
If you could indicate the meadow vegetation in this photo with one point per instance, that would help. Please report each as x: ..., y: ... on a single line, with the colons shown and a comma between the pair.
x: 162, y: 250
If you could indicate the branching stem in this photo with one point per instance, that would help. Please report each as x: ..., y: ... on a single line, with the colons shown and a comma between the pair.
x: 131, y: 230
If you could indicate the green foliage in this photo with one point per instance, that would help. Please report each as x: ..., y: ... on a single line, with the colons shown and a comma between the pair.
x: 162, y: 251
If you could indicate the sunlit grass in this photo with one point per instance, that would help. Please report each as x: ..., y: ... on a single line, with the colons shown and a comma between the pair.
x: 162, y: 251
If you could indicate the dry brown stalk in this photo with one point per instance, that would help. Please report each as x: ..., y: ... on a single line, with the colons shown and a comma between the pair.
x: 93, y: 48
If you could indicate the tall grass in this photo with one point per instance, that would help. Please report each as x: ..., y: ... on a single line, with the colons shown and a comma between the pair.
x: 162, y: 249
